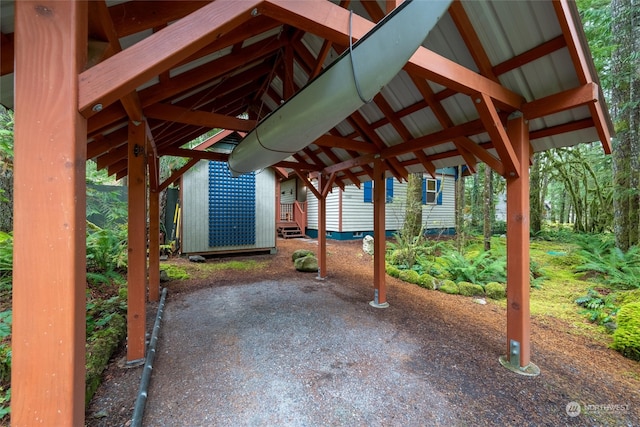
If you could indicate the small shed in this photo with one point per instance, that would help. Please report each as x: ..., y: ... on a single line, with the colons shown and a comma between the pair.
x: 350, y: 211
x: 221, y: 214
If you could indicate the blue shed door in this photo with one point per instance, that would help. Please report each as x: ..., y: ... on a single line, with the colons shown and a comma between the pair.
x: 232, y: 207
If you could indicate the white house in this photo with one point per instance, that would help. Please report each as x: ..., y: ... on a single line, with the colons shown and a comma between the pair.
x: 350, y: 211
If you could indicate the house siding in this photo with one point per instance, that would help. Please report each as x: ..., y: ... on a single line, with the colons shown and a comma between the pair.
x: 357, y: 215
x: 195, y: 212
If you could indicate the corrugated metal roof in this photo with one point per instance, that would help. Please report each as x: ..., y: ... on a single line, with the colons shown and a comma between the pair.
x: 504, y: 32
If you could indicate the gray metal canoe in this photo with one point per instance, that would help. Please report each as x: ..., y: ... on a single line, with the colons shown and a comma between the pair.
x: 333, y: 95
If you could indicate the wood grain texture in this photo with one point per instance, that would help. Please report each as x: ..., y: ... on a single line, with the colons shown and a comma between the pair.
x: 49, y: 275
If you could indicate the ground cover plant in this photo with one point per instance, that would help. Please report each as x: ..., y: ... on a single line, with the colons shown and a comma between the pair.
x: 584, y: 280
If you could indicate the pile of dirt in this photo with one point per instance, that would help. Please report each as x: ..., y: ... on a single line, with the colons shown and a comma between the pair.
x: 455, y: 344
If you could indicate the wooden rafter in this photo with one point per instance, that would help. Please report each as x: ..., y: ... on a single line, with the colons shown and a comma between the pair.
x: 200, y: 118
x: 122, y: 73
x: 471, y: 40
x: 424, y: 63
x: 531, y: 55
x: 574, y: 36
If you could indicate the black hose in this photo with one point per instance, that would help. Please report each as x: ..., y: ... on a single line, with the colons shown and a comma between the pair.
x: 141, y: 400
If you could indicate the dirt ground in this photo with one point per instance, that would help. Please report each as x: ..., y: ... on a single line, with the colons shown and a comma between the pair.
x: 282, y: 348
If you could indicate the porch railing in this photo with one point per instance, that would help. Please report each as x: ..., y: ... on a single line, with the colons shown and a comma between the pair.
x: 294, y: 212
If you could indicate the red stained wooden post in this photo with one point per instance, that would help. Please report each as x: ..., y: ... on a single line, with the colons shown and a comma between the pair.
x: 518, y: 314
x: 49, y: 264
x: 137, y: 260
x: 322, y: 229
x: 379, y: 236
x: 154, y: 237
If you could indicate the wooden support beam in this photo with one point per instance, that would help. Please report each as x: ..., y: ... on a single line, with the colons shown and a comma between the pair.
x: 333, y: 141
x: 531, y: 55
x: 518, y: 311
x: 154, y: 228
x: 322, y: 230
x: 495, y: 129
x: 137, y: 244
x: 122, y: 73
x: 49, y: 299
x: 569, y: 20
x: 379, y: 235
x: 177, y: 174
x: 586, y: 94
x: 177, y: 114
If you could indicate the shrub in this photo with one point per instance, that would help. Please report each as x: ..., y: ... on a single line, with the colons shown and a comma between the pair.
x: 426, y: 281
x: 301, y: 253
x: 626, y: 338
x: 410, y: 276
x: 599, y: 308
x: 403, y: 250
x: 470, y: 289
x: 495, y: 290
x: 449, y: 287
x: 6, y: 260
x: 393, y: 271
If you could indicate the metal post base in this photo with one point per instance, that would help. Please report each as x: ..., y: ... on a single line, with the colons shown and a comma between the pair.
x: 377, y: 305
x: 531, y: 370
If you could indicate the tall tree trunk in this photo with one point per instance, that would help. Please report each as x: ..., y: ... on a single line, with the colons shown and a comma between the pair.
x: 626, y: 114
x: 534, y: 196
x: 6, y: 200
x: 413, y: 211
x: 460, y: 231
x: 487, y: 206
x: 475, y: 202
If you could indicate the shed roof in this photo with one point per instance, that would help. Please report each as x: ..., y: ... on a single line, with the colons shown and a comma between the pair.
x: 484, y: 61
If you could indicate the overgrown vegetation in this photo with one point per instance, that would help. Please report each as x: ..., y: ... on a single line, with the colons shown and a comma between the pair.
x: 584, y: 280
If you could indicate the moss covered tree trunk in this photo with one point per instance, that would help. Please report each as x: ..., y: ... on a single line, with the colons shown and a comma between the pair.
x: 488, y: 206
x: 625, y: 109
x: 535, y: 199
x: 460, y: 230
x: 413, y: 212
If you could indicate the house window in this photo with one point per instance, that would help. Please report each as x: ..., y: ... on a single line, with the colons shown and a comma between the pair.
x: 431, y: 193
x: 368, y: 191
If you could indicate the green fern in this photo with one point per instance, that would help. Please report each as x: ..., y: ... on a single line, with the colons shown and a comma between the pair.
x: 612, y: 266
x: 481, y: 269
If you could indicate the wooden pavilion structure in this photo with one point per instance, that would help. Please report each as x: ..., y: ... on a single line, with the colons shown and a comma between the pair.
x: 126, y: 82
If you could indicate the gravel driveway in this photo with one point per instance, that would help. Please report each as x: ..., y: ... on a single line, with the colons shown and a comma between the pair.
x: 283, y: 353
x: 273, y: 347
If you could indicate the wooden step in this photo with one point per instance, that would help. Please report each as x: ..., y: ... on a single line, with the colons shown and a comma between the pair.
x: 290, y: 232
